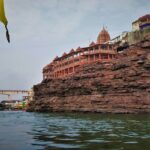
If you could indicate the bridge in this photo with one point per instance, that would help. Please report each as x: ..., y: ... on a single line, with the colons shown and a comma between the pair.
x: 15, y: 92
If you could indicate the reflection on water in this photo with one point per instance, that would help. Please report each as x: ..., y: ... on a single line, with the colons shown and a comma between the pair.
x: 33, y: 131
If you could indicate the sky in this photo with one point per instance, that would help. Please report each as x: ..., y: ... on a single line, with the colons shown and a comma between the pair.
x: 43, y: 29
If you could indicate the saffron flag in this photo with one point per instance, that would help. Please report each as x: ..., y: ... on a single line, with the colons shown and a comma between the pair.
x: 3, y: 18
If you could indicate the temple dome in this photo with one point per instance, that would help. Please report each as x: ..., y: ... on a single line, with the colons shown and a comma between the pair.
x: 103, y: 37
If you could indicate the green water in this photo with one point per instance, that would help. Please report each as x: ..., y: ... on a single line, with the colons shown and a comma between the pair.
x: 34, y: 131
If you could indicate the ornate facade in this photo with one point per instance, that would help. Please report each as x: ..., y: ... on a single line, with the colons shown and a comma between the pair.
x: 68, y: 64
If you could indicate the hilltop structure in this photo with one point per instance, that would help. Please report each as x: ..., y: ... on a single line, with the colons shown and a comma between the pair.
x: 121, y: 86
x: 91, y: 79
x: 103, y: 50
x: 68, y: 64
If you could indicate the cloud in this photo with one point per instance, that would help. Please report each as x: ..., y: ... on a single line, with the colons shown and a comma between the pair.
x: 49, y: 18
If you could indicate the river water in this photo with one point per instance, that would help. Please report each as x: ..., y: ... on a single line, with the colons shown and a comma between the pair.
x: 39, y: 131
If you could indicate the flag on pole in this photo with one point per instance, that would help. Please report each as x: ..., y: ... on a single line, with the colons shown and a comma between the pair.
x: 3, y: 18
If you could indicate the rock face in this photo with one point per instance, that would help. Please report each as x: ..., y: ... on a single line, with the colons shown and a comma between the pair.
x: 122, y: 86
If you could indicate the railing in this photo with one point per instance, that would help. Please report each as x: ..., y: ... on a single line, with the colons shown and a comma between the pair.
x: 106, y: 51
x: 3, y: 92
x: 71, y: 62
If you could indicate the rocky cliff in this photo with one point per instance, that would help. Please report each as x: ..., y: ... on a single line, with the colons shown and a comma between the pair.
x: 122, y: 86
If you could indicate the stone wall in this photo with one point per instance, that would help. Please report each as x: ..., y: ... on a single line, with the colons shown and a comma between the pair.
x: 137, y: 36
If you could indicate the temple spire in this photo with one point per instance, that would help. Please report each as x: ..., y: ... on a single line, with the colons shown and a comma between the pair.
x: 103, y: 36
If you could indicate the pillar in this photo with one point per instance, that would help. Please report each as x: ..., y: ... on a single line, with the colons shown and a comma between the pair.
x: 94, y: 57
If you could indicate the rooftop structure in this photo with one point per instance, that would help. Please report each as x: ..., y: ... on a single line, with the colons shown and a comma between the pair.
x: 103, y: 36
x: 68, y: 64
x: 140, y: 30
x: 141, y: 23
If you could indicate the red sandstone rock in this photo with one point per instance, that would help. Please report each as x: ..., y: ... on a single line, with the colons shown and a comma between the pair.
x: 119, y: 87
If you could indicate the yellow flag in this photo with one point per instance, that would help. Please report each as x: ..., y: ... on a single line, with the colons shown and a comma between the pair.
x: 3, y: 18
x: 2, y: 13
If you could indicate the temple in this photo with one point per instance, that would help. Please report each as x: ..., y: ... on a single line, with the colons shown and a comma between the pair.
x: 68, y: 64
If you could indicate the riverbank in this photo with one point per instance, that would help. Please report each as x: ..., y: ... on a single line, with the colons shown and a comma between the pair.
x: 122, y: 86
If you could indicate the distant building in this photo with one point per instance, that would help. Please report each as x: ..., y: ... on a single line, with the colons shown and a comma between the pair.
x: 142, y: 23
x: 15, y: 104
x: 140, y: 30
x: 9, y: 104
x: 68, y: 64
x: 120, y: 38
x: 135, y: 25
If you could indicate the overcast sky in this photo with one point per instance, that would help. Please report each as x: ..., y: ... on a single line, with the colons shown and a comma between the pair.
x: 42, y: 29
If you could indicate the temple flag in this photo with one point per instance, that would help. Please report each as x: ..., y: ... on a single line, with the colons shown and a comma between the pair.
x: 3, y: 18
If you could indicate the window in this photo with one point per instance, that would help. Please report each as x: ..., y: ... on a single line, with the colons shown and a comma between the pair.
x: 110, y: 56
x: 96, y: 56
x: 110, y: 47
x: 103, y: 46
x: 104, y: 56
x: 96, y: 48
x: 91, y: 58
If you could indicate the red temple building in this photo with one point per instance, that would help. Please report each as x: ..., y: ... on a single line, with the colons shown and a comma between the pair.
x: 68, y: 64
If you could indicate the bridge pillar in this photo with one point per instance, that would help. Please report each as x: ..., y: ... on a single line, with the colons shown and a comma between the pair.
x: 9, y: 97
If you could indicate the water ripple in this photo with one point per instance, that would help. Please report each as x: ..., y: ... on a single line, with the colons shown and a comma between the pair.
x: 35, y: 131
